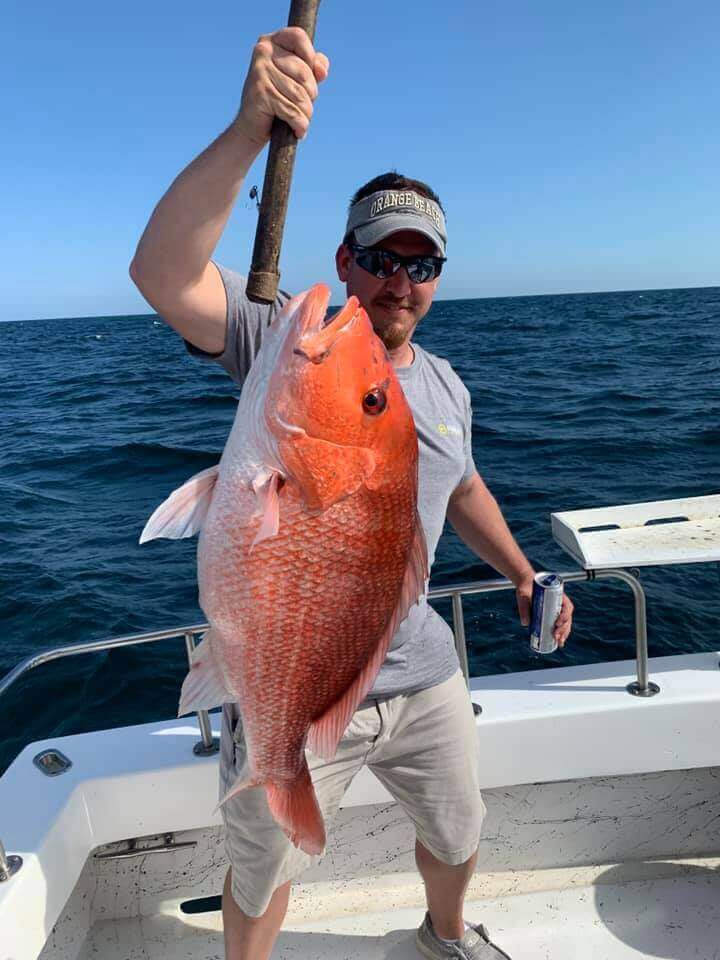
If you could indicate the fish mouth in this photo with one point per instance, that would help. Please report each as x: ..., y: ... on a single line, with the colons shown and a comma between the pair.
x: 317, y: 334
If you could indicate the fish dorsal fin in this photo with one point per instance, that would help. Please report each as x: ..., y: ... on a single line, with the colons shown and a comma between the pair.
x: 184, y: 511
x: 325, y: 472
x: 266, y: 485
x: 326, y: 732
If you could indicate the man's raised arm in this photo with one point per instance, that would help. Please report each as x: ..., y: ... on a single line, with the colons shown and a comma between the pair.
x: 171, y: 266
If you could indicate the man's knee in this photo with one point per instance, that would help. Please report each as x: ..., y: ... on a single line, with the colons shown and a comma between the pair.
x: 463, y: 859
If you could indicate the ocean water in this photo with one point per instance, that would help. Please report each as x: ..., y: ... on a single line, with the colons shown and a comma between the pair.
x: 579, y: 401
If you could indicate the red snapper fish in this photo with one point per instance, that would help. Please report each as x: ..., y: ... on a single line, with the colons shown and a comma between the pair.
x: 311, y: 551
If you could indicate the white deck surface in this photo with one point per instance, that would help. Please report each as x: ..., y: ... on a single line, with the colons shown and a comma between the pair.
x: 538, y: 727
x: 542, y: 727
x: 615, y: 918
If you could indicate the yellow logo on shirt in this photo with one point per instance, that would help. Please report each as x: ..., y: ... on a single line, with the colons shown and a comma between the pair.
x: 444, y: 430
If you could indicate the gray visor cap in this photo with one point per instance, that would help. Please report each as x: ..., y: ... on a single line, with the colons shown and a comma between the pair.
x: 375, y: 217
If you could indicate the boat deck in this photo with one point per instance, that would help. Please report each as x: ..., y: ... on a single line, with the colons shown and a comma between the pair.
x: 602, y: 837
x: 655, y: 909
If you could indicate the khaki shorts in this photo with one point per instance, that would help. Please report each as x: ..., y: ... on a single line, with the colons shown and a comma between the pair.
x: 423, y: 748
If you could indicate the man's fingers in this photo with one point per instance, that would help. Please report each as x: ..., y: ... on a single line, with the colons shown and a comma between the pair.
x: 523, y: 605
x: 562, y: 626
x: 296, y: 41
x: 297, y: 121
x: 291, y: 90
x: 297, y: 70
x: 265, y: 96
x: 321, y: 67
x: 282, y: 82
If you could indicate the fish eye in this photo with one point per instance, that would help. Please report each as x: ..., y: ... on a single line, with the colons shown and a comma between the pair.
x: 374, y: 401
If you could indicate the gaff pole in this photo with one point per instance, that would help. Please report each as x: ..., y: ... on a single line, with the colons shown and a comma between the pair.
x: 264, y: 271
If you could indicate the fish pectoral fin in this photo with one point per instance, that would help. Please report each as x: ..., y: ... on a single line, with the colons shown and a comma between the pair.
x: 184, y: 511
x: 326, y: 732
x: 204, y: 686
x: 266, y: 485
x: 325, y: 472
x: 239, y: 785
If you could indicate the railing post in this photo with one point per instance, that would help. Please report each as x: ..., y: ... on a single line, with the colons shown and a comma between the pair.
x: 8, y: 865
x: 642, y: 687
x: 459, y: 630
x: 208, y: 744
x: 461, y: 643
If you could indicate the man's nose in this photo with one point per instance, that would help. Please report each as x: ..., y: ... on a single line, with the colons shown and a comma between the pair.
x: 399, y: 283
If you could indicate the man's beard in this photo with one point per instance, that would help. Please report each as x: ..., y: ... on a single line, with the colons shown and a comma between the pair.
x: 394, y: 331
x: 394, y: 335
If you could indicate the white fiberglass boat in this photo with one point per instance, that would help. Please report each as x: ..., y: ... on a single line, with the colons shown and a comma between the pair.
x: 602, y: 838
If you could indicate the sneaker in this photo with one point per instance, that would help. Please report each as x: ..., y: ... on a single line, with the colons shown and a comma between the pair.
x: 474, y: 945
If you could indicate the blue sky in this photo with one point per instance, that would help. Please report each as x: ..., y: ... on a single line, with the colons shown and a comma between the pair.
x: 575, y: 146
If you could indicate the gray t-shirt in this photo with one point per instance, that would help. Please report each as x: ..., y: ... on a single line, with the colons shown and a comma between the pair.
x: 422, y: 653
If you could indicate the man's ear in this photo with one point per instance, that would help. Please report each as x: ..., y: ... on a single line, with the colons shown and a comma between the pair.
x: 342, y: 261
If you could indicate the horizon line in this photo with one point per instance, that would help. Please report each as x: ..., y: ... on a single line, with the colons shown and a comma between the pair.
x: 505, y: 296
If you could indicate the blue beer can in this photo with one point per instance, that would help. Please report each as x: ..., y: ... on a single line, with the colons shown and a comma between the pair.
x: 546, y: 603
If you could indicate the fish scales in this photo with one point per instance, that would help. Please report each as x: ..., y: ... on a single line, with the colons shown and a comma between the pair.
x: 285, y: 596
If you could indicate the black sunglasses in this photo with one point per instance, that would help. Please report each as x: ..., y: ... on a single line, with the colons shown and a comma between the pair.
x: 384, y: 263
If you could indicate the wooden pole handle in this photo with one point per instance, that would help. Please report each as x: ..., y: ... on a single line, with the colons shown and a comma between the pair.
x: 265, y: 272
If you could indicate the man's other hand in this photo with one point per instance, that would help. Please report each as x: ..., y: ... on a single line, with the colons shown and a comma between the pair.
x: 563, y: 623
x: 282, y: 82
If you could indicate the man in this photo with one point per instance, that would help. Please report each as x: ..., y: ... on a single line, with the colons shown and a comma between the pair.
x: 416, y: 729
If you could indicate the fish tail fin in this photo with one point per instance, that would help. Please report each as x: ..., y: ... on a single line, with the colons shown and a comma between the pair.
x: 204, y: 686
x: 295, y: 807
x: 184, y: 511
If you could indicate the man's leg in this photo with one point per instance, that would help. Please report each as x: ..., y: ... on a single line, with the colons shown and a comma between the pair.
x: 252, y: 938
x: 262, y: 860
x: 428, y: 758
x: 445, y: 887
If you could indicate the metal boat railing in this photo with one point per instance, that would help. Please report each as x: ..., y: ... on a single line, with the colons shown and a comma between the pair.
x: 208, y: 744
x: 642, y: 687
x: 455, y: 592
